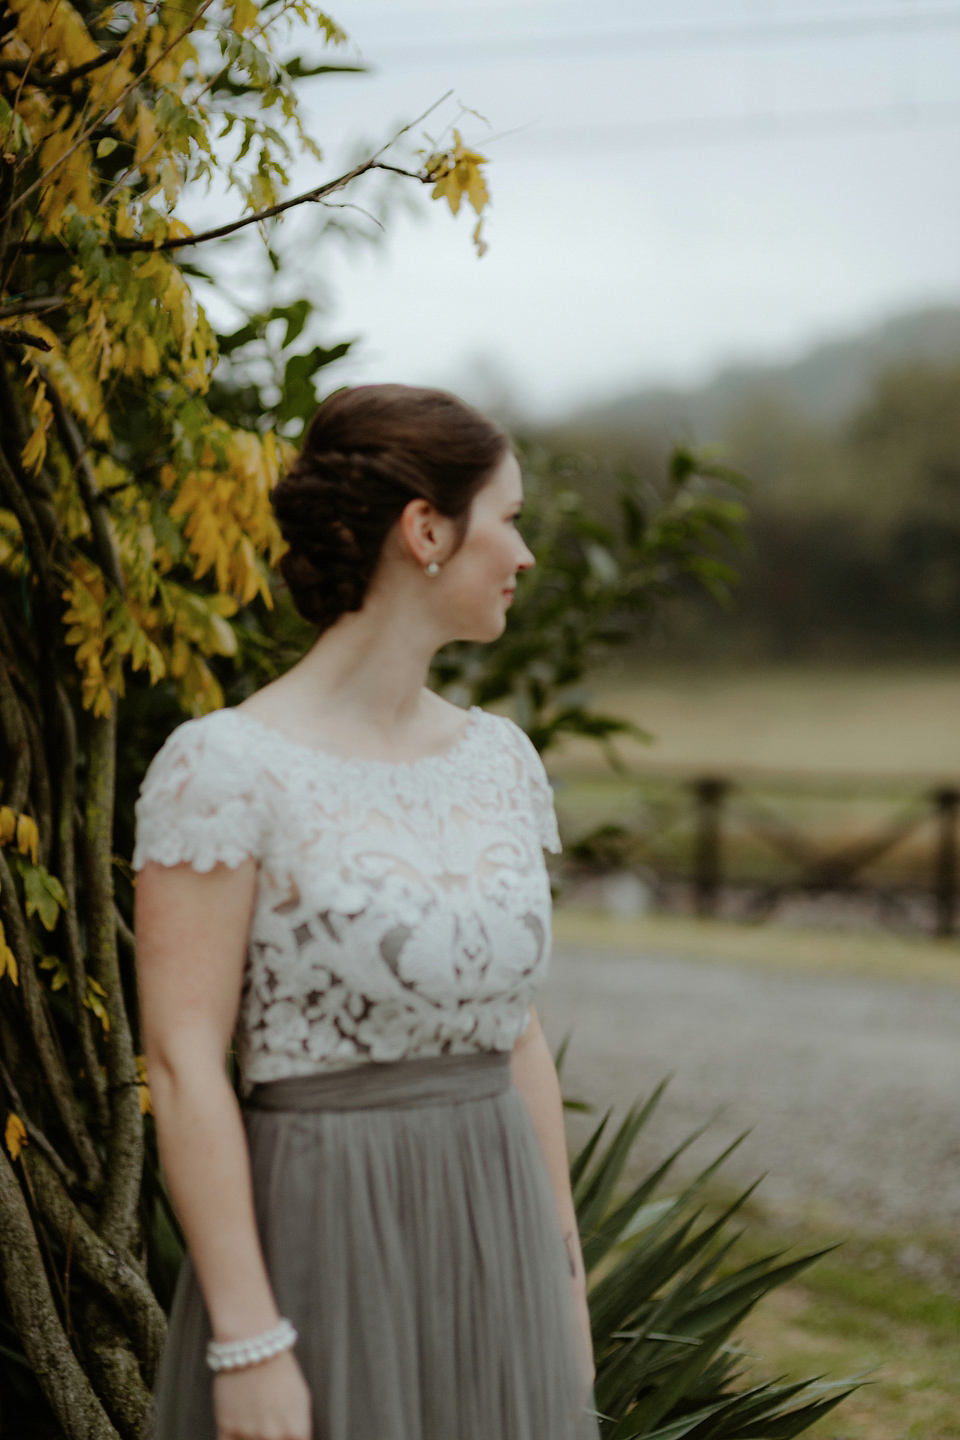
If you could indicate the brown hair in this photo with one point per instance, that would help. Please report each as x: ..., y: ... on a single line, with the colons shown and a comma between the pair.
x: 367, y: 452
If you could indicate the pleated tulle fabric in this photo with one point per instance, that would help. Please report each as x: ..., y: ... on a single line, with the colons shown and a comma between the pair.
x: 411, y: 1235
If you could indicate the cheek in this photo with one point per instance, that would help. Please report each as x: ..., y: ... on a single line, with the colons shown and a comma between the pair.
x: 489, y: 555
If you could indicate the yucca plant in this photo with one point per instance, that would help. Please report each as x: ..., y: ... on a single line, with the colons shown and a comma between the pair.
x: 665, y: 1303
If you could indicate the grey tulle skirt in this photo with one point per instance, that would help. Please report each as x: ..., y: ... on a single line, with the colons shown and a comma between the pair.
x: 411, y: 1235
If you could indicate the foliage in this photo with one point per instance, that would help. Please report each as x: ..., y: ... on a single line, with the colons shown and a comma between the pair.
x: 854, y: 532
x: 596, y: 582
x: 136, y: 547
x: 666, y: 1300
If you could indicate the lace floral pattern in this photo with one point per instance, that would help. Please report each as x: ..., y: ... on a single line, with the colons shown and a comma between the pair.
x: 402, y: 909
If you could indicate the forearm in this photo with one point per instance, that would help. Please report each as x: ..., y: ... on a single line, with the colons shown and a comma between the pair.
x: 204, y: 1153
x: 535, y: 1076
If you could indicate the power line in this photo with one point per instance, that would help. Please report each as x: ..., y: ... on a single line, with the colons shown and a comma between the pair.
x: 731, y: 129
x: 672, y: 37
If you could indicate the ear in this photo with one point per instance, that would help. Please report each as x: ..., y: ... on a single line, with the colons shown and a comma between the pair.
x: 423, y: 531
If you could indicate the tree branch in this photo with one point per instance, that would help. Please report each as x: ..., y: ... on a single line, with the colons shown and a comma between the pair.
x: 48, y: 247
x: 118, y: 1215
x: 127, y: 937
x: 31, y: 307
x: 113, y: 1368
x: 67, y: 856
x: 59, y: 82
x: 28, y: 497
x: 12, y: 338
x: 69, y: 1392
x: 29, y: 526
x: 40, y: 776
x: 72, y: 441
x: 17, y: 743
x: 67, y: 1176
x: 54, y: 1072
x: 11, y: 413
x: 117, y: 1280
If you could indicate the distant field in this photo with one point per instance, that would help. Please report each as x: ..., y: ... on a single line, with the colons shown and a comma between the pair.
x: 874, y: 724
x: 828, y: 756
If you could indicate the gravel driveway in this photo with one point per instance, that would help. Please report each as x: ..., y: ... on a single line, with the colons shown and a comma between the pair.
x: 851, y: 1087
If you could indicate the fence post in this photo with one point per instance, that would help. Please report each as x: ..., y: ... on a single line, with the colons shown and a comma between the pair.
x: 709, y: 794
x: 947, y: 802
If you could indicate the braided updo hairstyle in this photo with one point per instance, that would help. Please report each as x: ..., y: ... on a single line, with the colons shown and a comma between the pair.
x: 368, y: 451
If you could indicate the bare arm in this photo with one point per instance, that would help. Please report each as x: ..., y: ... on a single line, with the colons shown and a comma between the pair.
x: 535, y: 1076
x: 191, y: 943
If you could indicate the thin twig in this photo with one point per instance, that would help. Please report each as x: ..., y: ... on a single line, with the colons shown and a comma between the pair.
x: 31, y: 307
x: 24, y: 337
x: 126, y: 935
x: 66, y: 1281
x: 67, y: 1175
x: 73, y: 442
x: 348, y: 205
x: 46, y: 247
x: 58, y: 82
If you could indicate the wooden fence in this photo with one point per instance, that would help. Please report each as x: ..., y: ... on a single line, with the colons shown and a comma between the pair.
x: 818, y: 869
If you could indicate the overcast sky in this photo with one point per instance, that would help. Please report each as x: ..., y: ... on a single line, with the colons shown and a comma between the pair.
x: 687, y: 184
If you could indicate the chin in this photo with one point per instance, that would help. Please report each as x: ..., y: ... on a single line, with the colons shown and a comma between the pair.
x: 482, y: 632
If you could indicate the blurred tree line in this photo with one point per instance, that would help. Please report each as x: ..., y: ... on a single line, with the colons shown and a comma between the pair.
x: 854, y: 530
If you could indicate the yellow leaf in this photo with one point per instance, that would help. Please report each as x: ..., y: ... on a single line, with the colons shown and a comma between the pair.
x: 94, y: 1002
x: 27, y: 837
x: 146, y: 1108
x: 8, y: 824
x: 35, y: 451
x: 8, y: 961
x: 244, y: 14
x: 15, y: 1135
x: 448, y: 188
x: 478, y: 240
x: 59, y: 977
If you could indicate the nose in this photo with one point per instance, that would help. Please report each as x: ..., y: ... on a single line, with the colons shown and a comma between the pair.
x: 526, y: 560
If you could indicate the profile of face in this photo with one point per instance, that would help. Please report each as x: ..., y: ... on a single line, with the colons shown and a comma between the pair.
x: 475, y: 584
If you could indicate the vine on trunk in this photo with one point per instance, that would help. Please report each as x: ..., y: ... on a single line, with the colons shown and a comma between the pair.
x: 136, y: 540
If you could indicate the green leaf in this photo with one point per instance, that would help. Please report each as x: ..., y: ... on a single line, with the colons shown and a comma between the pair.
x: 43, y: 894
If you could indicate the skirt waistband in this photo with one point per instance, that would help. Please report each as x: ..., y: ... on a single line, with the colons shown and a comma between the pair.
x: 392, y: 1085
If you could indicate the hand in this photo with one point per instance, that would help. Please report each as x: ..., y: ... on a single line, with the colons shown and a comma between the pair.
x: 269, y: 1401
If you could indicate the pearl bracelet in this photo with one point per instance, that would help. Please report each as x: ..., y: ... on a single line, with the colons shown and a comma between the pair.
x: 239, y: 1354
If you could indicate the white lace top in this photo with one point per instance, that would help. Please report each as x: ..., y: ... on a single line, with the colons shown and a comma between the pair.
x: 402, y: 909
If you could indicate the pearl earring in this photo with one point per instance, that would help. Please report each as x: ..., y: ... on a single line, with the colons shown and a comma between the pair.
x: 432, y: 569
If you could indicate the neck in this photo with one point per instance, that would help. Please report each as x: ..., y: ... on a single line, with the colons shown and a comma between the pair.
x: 369, y: 670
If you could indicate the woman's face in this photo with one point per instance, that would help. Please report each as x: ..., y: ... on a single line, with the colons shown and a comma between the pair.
x: 476, y: 585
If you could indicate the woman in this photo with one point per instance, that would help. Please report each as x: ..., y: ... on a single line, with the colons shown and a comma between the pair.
x: 345, y: 873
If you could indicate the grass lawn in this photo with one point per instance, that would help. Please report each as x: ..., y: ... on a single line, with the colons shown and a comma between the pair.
x: 887, y: 1305
x: 872, y: 722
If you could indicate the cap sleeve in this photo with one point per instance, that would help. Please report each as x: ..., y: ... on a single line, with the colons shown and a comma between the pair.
x: 199, y: 801
x: 539, y: 790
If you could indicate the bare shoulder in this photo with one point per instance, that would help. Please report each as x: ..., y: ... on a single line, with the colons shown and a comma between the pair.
x: 444, y: 722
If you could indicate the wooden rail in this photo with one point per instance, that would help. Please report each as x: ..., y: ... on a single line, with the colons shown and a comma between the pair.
x: 824, y: 870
